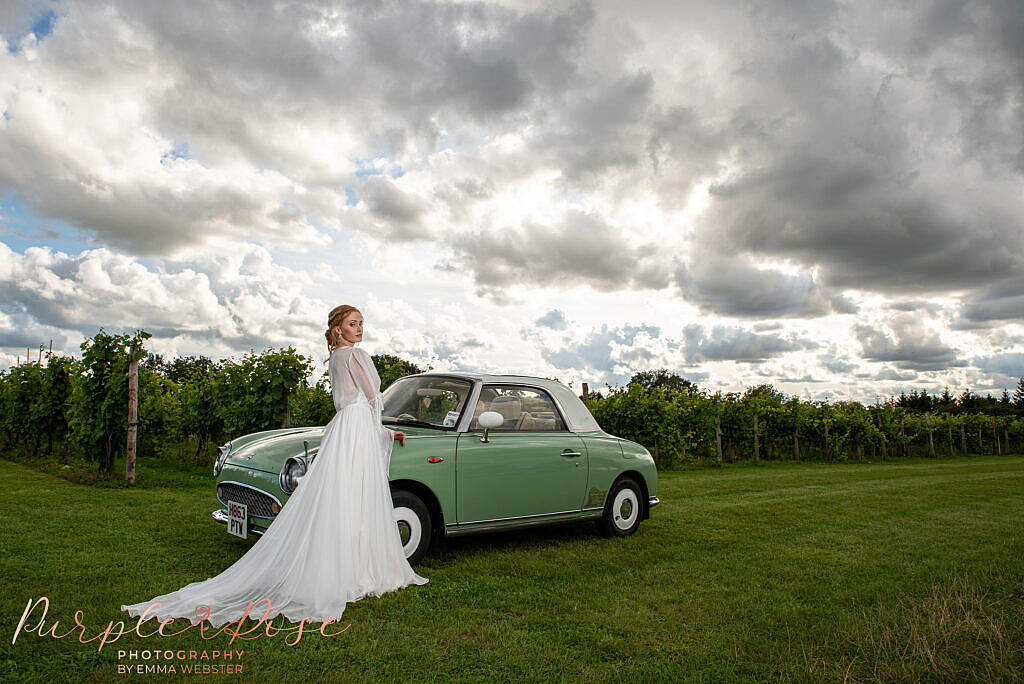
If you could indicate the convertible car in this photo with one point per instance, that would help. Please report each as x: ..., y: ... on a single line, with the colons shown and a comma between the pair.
x: 482, y: 453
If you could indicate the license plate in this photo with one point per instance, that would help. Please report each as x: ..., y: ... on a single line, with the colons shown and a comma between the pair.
x: 238, y: 519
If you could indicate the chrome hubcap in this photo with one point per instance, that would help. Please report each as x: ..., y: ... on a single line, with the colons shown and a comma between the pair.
x: 625, y: 507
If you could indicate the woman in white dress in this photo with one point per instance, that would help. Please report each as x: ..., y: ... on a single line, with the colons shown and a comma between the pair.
x: 335, y: 539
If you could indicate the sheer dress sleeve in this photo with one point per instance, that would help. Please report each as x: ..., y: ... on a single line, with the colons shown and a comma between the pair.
x: 365, y: 374
x: 367, y: 381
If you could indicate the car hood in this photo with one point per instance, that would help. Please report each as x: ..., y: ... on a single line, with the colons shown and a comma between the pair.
x: 269, y: 450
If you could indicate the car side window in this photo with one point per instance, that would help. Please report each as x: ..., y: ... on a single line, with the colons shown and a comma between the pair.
x: 524, y: 409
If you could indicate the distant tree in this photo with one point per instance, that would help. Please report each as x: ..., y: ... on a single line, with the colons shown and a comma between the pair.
x: 917, y: 400
x: 968, y: 401
x: 945, y: 403
x: 765, y: 394
x: 187, y: 368
x: 661, y: 378
x: 1018, y: 395
x: 98, y: 418
x: 989, y: 404
x: 52, y: 415
x: 391, y: 368
x: 153, y: 362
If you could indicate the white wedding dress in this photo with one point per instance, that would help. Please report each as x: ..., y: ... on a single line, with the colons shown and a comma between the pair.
x: 334, y: 541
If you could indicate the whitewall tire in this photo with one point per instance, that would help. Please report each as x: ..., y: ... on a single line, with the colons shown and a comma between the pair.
x: 414, y: 526
x: 622, y: 509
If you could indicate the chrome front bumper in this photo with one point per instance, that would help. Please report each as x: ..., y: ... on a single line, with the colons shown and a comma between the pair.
x: 653, y: 501
x: 220, y: 516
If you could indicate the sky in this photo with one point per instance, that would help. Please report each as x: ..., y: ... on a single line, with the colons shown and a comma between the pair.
x: 824, y: 196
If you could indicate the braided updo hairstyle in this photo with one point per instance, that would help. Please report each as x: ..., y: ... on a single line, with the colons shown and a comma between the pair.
x: 336, y: 318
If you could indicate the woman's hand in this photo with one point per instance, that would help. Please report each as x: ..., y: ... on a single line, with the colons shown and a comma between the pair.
x: 400, y: 437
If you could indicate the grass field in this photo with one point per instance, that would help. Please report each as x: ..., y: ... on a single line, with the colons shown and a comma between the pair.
x: 895, y: 571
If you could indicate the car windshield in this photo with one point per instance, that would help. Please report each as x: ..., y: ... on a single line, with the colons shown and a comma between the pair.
x: 428, y: 401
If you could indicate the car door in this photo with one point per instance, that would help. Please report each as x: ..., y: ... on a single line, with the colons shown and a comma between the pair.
x: 531, y: 465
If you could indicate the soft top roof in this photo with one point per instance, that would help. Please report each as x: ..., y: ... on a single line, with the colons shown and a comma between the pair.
x: 575, y: 411
x: 490, y: 377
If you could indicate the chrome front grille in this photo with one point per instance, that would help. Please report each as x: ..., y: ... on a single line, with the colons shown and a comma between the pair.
x: 256, y: 502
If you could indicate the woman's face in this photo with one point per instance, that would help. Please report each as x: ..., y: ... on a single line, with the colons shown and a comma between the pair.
x: 351, y: 329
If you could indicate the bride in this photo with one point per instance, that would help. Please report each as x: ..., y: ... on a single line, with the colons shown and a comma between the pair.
x: 335, y: 540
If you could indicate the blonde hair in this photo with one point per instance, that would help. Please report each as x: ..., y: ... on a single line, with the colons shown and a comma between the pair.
x: 335, y: 319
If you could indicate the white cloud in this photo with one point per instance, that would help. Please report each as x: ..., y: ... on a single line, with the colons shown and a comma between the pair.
x: 464, y: 169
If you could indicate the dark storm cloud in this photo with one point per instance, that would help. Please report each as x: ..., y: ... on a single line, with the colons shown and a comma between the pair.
x: 999, y: 302
x: 724, y: 343
x: 1003, y: 366
x: 397, y: 212
x: 734, y: 288
x: 407, y: 60
x: 867, y: 146
x: 915, y: 305
x: 912, y: 345
x: 582, y: 249
x: 860, y: 170
x: 244, y: 94
x: 867, y: 232
x: 458, y: 196
x: 888, y: 374
x: 598, y: 129
x: 720, y: 343
x: 836, y: 365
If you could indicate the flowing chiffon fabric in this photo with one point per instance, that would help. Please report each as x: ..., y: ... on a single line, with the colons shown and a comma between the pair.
x: 335, y: 539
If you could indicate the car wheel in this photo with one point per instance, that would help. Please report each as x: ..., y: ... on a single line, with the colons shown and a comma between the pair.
x: 414, y: 525
x: 621, y: 509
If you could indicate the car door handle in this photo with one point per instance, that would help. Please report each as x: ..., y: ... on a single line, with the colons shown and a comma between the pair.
x: 571, y: 453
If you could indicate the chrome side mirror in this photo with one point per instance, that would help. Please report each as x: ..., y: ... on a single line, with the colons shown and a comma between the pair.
x: 488, y: 420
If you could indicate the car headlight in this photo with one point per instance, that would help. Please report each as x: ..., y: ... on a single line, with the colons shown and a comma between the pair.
x: 222, y: 458
x: 293, y: 470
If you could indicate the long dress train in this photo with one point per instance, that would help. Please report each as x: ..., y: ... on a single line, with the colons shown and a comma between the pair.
x: 335, y: 539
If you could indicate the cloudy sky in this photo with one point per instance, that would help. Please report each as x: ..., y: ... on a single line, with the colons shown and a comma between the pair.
x: 826, y: 196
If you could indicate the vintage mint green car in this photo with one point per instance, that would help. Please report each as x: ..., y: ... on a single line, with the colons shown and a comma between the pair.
x: 482, y: 452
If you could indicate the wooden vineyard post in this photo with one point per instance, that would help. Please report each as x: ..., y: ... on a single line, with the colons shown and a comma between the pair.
x: 880, y: 430
x: 826, y: 437
x: 903, y: 435
x: 757, y: 443
x: 718, y: 435
x: 133, y: 416
x: 286, y: 421
x: 949, y: 425
x: 931, y: 438
x: 963, y: 436
x: 995, y: 439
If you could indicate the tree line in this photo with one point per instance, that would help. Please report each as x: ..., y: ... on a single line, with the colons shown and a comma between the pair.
x: 682, y: 424
x: 66, y: 407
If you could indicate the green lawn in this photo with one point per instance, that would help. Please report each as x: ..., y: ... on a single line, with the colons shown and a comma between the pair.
x: 903, y: 570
